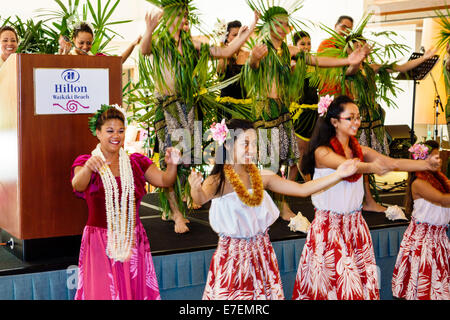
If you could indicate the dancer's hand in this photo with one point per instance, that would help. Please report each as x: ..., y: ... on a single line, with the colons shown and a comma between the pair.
x: 259, y: 51
x: 137, y: 41
x: 95, y: 163
x: 152, y: 19
x: 429, y: 53
x: 64, y: 46
x: 347, y: 168
x: 242, y: 30
x: 173, y: 156
x: 378, y: 167
x: 195, y: 180
x: 434, y: 163
x: 358, y: 55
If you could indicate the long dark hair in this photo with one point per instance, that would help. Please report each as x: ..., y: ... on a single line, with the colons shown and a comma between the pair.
x: 323, y: 132
x: 409, y: 201
x: 222, y: 155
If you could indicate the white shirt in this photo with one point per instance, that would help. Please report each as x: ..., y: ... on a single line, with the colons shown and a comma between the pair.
x: 342, y: 197
x: 427, y: 212
x: 229, y: 216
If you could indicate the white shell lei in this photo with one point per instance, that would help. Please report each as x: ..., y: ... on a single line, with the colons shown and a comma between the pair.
x: 120, y: 214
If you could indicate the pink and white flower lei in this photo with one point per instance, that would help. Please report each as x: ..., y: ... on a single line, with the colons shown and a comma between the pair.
x: 419, y: 151
x: 219, y: 132
x: 323, y: 104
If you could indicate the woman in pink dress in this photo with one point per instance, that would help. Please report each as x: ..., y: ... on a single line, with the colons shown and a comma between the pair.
x: 338, y: 260
x: 422, y: 270
x: 115, y: 260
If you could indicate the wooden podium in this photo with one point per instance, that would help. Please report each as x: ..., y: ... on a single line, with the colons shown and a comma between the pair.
x: 38, y: 209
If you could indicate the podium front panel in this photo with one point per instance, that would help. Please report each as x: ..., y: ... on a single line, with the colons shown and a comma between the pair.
x: 47, y: 146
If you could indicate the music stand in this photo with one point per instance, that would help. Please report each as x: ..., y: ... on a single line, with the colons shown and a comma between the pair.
x: 418, y: 73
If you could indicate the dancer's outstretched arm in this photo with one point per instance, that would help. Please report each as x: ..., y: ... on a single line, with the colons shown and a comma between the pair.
x: 432, y: 163
x: 277, y: 184
x: 355, y: 58
x: 414, y: 63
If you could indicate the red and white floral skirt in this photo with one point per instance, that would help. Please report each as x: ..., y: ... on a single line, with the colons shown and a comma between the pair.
x: 338, y: 261
x: 244, y: 269
x: 422, y: 269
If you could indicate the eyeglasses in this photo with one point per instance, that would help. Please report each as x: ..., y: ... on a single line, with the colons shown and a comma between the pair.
x: 352, y: 118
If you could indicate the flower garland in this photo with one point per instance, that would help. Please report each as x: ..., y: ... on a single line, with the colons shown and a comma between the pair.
x: 120, y: 214
x: 437, y: 179
x: 254, y: 199
x: 356, y: 150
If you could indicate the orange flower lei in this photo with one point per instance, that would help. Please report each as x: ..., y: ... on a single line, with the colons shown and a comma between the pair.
x: 254, y: 199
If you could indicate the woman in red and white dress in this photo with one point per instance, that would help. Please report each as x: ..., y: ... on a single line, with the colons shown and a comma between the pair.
x: 422, y: 270
x: 338, y: 260
x: 244, y: 266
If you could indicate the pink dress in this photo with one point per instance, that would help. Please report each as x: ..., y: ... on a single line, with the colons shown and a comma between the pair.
x: 99, y: 277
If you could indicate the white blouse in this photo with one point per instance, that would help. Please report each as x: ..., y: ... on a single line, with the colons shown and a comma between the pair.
x: 342, y: 197
x: 229, y: 216
x: 427, y: 212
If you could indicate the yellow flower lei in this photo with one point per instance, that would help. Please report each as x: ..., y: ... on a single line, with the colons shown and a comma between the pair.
x: 256, y: 197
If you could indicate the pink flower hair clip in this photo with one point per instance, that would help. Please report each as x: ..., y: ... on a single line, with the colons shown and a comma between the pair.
x: 419, y: 151
x: 323, y: 104
x: 220, y: 132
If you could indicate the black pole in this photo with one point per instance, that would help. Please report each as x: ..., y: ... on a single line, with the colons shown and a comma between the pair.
x: 413, y: 111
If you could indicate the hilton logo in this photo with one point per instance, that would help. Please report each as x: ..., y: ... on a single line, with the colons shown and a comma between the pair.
x: 70, y: 75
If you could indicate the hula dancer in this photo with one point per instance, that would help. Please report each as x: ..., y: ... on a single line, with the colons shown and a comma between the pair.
x: 244, y: 266
x: 179, y: 69
x: 368, y: 83
x: 422, y: 270
x: 269, y: 80
x: 233, y: 96
x: 304, y: 113
x: 338, y: 261
x: 115, y: 261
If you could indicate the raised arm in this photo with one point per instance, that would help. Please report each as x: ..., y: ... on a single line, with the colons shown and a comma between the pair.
x: 151, y: 22
x: 164, y: 179
x: 130, y: 49
x: 237, y: 43
x: 291, y: 188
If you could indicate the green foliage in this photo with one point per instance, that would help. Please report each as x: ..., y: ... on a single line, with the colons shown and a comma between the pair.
x: 369, y: 87
x: 42, y: 36
x: 270, y: 11
x: 444, y: 22
x: 34, y: 37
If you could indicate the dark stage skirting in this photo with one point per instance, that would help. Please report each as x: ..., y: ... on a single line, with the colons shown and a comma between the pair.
x: 182, y: 260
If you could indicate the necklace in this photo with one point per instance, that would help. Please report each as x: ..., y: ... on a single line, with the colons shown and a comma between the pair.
x: 356, y: 150
x: 120, y: 213
x: 256, y: 197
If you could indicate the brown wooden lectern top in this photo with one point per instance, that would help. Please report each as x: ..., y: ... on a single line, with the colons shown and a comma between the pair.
x: 37, y: 201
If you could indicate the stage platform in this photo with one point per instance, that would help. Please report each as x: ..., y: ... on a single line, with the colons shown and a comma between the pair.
x: 182, y: 260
